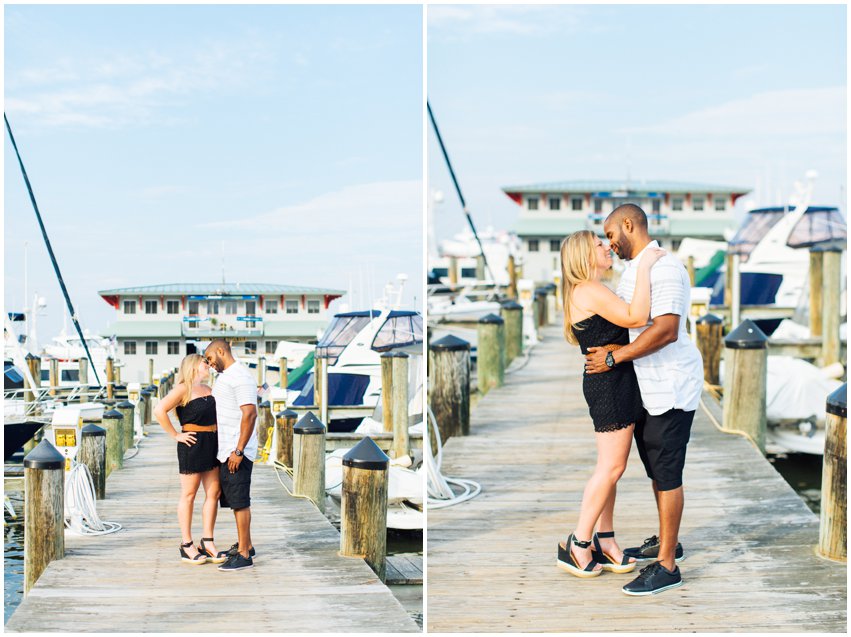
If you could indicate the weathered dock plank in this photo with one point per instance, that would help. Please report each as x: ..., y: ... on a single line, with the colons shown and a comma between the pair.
x: 133, y: 580
x: 749, y: 539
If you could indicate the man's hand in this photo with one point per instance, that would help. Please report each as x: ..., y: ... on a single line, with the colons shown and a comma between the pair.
x: 233, y: 462
x: 595, y: 361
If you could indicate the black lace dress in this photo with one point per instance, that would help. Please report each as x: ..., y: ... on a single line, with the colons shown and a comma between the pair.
x: 613, y: 397
x: 201, y: 456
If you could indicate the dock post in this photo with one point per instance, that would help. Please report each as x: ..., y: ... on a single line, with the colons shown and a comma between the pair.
x: 44, y: 510
x: 394, y: 400
x: 512, y: 277
x: 117, y: 374
x: 282, y: 363
x: 710, y: 332
x: 363, y: 509
x: 150, y: 371
x: 264, y: 422
x: 34, y: 366
x: 125, y: 407
x: 320, y: 388
x: 512, y: 315
x: 816, y: 270
x: 84, y: 380
x: 261, y: 370
x: 111, y: 422
x: 690, y: 268
x: 309, y: 459
x: 491, y: 352
x: 550, y: 299
x: 736, y: 301
x: 453, y: 271
x: 745, y: 372
x: 728, y: 281
x: 284, y: 423
x: 480, y: 268
x: 449, y: 385
x: 54, y: 376
x: 833, y: 519
x: 110, y: 378
x: 144, y: 406
x: 93, y: 455
x: 831, y: 290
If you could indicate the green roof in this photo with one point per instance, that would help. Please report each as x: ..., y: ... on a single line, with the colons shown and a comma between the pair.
x: 543, y: 227
x: 632, y: 187
x: 127, y: 329
x: 220, y: 288
x: 288, y: 329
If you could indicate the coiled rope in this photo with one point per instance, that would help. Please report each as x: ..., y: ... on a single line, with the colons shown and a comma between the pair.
x: 440, y: 492
x: 81, y: 515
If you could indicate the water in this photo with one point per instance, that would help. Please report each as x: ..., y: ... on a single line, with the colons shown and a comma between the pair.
x: 803, y: 473
x: 13, y: 559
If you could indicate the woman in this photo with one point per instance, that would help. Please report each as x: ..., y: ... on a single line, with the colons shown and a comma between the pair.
x: 595, y: 316
x: 197, y: 446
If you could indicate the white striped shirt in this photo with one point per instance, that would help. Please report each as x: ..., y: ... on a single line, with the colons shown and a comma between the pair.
x: 672, y: 377
x: 234, y: 387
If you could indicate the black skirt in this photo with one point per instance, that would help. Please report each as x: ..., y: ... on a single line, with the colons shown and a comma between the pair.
x: 201, y: 456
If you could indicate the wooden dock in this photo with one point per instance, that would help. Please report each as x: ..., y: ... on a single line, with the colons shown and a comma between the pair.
x: 133, y: 580
x: 749, y: 540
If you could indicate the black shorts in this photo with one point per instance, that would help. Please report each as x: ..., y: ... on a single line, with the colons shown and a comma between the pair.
x: 662, y: 442
x: 236, y: 486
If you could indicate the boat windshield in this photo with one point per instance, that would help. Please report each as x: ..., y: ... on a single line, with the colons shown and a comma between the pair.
x: 755, y: 227
x: 341, y: 332
x: 398, y: 331
x: 819, y: 226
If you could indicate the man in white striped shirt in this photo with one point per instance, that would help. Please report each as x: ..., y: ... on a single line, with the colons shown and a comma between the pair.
x: 670, y: 377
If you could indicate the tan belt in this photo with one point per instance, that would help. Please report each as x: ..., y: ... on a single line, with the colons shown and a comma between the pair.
x: 611, y: 348
x: 191, y: 427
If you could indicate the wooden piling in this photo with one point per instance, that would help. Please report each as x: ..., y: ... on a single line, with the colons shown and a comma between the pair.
x: 284, y: 423
x: 745, y: 371
x: 512, y: 277
x: 93, y: 455
x: 54, y: 376
x: 710, y: 334
x: 309, y: 459
x: 34, y: 366
x: 449, y: 385
x: 512, y: 315
x: 363, y: 509
x: 282, y: 381
x: 320, y: 376
x: 117, y: 374
x: 112, y: 423
x: 816, y: 267
x: 491, y: 352
x: 110, y: 378
x: 394, y: 400
x: 150, y: 371
x: 264, y: 422
x: 127, y: 410
x: 690, y: 268
x: 44, y: 510
x: 728, y: 280
x: 84, y: 379
x: 453, y: 271
x: 833, y: 518
x: 261, y: 370
x: 831, y: 290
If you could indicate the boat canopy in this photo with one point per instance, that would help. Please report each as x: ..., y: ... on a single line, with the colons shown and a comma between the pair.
x: 753, y: 230
x: 400, y: 329
x: 819, y: 226
x: 13, y: 378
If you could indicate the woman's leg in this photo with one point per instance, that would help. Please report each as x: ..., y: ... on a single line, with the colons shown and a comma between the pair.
x: 188, y: 488
x: 612, y: 453
x: 212, y: 489
x: 606, y: 523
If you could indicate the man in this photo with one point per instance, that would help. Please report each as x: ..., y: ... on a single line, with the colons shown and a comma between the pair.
x: 236, y: 411
x: 670, y: 376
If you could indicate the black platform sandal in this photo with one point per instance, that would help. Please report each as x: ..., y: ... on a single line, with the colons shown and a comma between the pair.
x: 568, y: 562
x: 198, y: 558
x: 607, y: 561
x: 218, y: 558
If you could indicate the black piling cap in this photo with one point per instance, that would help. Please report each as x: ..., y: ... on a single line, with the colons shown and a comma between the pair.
x: 92, y: 430
x: 287, y: 413
x: 145, y: 392
x: 125, y: 404
x: 511, y: 304
x: 44, y: 456
x: 711, y: 319
x: 113, y: 414
x: 395, y: 355
x: 265, y: 404
x: 746, y: 336
x: 837, y: 403
x: 366, y: 455
x: 491, y: 319
x: 449, y: 343
x: 309, y: 425
x: 108, y: 402
x: 152, y: 388
x: 30, y: 356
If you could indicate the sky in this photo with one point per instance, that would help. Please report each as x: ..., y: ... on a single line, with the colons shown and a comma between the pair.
x: 748, y: 96
x: 160, y: 138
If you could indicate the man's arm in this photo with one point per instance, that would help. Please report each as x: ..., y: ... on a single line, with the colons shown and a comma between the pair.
x: 665, y: 330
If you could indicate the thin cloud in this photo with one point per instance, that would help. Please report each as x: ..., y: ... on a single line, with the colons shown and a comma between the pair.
x: 524, y: 20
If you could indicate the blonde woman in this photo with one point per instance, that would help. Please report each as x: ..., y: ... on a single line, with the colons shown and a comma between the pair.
x: 197, y: 447
x: 594, y: 316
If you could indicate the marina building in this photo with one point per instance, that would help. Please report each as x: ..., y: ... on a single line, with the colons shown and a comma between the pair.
x: 167, y: 322
x: 675, y: 210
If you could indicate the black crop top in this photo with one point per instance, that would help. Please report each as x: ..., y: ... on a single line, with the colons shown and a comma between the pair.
x: 198, y: 411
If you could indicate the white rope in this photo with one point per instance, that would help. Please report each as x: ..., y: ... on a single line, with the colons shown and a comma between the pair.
x: 81, y: 515
x: 440, y: 491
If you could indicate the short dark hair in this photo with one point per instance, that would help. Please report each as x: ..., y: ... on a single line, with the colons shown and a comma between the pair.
x: 219, y: 342
x: 629, y: 211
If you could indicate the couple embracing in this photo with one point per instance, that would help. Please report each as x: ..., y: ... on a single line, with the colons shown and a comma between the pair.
x: 642, y: 380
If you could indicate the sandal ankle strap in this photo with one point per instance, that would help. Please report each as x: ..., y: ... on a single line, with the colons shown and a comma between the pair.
x: 580, y: 544
x: 207, y: 539
x: 187, y: 545
x: 605, y: 534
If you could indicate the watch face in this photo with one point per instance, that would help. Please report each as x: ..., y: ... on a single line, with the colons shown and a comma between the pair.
x: 610, y: 360
x: 238, y: 453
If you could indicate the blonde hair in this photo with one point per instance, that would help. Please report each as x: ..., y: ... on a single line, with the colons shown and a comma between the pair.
x: 578, y: 262
x: 187, y: 374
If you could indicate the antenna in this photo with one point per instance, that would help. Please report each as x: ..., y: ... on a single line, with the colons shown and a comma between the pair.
x: 223, y: 263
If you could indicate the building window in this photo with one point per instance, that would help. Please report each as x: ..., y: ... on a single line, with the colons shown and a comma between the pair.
x: 313, y: 307
x: 194, y: 308
x: 532, y: 203
x: 677, y: 204
x: 212, y: 307
x: 598, y: 206
x: 657, y: 206
x: 533, y: 245
x: 555, y: 245
x: 697, y: 204
x: 172, y: 307
x: 129, y: 307
x: 555, y: 203
x: 271, y: 307
x: 150, y: 307
x: 173, y: 347
x: 271, y: 347
x: 720, y: 203
x: 468, y: 273
x: 250, y: 347
x: 251, y: 308
x: 151, y: 348
x: 129, y: 348
x: 576, y: 203
x: 230, y: 307
x: 292, y: 307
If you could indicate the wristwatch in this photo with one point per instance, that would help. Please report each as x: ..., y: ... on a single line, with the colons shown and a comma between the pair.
x: 238, y: 453
x: 610, y: 360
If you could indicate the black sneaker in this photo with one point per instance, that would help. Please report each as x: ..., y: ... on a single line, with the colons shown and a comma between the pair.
x: 234, y: 550
x: 650, y: 550
x: 237, y: 563
x: 653, y: 579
